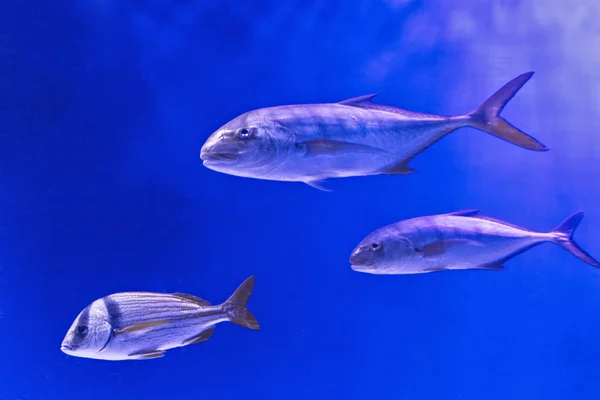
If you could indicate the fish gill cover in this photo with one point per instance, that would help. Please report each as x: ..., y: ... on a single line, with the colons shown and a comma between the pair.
x: 104, y: 106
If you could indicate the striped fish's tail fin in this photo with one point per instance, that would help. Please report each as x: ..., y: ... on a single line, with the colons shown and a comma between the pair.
x: 563, y: 236
x: 487, y: 117
x: 235, y: 306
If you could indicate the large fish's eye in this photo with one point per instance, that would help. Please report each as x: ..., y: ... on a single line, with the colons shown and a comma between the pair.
x: 82, y: 330
x: 244, y: 133
x: 376, y: 246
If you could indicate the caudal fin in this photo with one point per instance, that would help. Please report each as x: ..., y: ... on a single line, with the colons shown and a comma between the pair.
x: 235, y: 306
x: 487, y: 118
x: 564, y: 238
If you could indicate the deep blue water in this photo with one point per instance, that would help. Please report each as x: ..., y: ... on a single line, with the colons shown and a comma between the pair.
x: 104, y: 106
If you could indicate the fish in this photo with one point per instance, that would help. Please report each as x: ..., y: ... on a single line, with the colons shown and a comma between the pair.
x: 311, y: 143
x: 143, y: 325
x: 460, y: 240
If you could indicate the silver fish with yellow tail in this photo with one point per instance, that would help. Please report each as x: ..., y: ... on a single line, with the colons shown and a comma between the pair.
x: 143, y: 325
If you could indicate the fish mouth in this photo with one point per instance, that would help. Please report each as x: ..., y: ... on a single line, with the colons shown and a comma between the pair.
x: 360, y: 267
x: 357, y: 261
x: 65, y: 347
x: 369, y: 270
x: 213, y: 156
x: 361, y: 262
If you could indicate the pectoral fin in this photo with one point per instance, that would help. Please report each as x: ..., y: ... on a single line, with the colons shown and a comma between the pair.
x: 333, y: 147
x: 139, y: 328
x: 441, y: 246
x: 201, y: 337
x: 146, y: 355
x: 400, y: 168
x: 318, y: 185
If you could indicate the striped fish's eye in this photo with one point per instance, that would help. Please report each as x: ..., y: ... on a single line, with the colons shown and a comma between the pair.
x: 82, y: 330
x: 376, y: 246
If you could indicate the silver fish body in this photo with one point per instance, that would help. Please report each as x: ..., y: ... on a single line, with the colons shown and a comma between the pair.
x: 143, y: 325
x: 356, y: 137
x: 456, y: 241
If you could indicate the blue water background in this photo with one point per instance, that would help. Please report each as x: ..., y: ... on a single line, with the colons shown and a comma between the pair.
x: 104, y: 106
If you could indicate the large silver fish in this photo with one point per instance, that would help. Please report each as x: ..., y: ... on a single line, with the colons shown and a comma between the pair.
x: 455, y: 241
x: 143, y: 325
x: 356, y: 137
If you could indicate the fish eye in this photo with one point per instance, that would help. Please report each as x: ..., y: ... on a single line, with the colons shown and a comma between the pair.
x: 376, y: 246
x: 244, y: 133
x: 82, y: 330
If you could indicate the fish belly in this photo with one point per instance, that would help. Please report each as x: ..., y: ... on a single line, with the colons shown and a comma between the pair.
x: 160, y: 338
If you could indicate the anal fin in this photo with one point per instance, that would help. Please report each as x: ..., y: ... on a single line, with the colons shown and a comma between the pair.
x: 491, y: 267
x: 146, y: 355
x: 400, y: 168
x: 201, y: 337
x: 437, y: 269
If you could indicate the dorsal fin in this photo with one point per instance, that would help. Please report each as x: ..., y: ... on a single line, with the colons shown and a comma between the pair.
x: 499, y: 221
x: 360, y: 99
x: 464, y: 213
x: 366, y: 103
x: 197, y: 300
x: 474, y: 213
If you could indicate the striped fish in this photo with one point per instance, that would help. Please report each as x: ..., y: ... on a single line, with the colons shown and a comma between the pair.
x: 143, y: 325
x: 356, y: 137
x: 455, y: 241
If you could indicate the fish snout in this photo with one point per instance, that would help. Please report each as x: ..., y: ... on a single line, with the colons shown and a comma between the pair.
x: 216, y: 156
x: 66, y: 347
x: 218, y: 152
x: 361, y: 259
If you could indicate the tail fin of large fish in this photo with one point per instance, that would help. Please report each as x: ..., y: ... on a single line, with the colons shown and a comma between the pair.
x: 563, y: 236
x: 235, y: 306
x: 487, y: 117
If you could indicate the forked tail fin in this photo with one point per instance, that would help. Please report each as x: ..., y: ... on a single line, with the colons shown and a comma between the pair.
x: 235, y: 306
x: 564, y: 237
x: 487, y: 118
